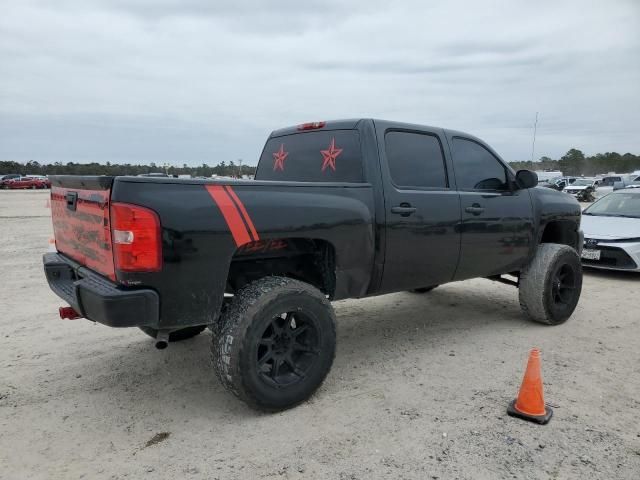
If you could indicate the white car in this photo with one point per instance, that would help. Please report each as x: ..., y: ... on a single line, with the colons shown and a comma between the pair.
x: 580, y: 187
x: 611, y: 229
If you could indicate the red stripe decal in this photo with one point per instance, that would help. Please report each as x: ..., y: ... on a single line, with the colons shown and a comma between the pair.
x: 230, y: 214
x: 244, y: 213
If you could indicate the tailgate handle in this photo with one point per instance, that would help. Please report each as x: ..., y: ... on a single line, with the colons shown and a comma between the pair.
x: 72, y: 200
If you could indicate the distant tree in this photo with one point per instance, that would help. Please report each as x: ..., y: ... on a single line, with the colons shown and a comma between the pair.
x: 572, y: 162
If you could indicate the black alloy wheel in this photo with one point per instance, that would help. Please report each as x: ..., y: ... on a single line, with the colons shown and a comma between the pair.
x: 288, y: 348
x: 563, y: 285
x: 275, y: 343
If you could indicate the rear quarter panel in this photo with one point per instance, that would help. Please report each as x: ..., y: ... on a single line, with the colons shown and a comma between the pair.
x: 198, y: 244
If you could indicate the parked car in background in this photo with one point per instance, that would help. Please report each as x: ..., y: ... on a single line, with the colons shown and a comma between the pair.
x: 583, y: 189
x: 6, y: 179
x: 157, y: 175
x: 627, y: 181
x: 612, y: 231
x: 610, y: 183
x: 559, y: 183
x: 26, y: 183
x: 9, y: 176
x: 545, y: 176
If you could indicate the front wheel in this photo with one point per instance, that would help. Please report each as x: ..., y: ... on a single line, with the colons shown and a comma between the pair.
x: 276, y: 343
x: 550, y: 286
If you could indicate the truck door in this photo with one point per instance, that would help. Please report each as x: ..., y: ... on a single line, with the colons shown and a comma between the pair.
x: 422, y: 208
x: 497, y: 221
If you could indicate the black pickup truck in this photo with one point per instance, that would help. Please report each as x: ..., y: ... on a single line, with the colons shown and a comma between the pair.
x: 340, y: 209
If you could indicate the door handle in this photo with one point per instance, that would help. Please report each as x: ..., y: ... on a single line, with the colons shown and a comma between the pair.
x: 474, y: 209
x: 404, y: 209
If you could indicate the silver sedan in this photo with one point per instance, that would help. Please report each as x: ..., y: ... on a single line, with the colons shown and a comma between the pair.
x: 611, y: 229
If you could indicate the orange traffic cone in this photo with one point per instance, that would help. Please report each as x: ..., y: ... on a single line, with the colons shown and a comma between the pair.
x: 530, y: 402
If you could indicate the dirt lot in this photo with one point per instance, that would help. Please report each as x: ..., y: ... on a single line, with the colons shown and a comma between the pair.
x: 418, y: 389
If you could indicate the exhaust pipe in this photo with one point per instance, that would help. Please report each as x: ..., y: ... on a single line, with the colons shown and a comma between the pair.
x: 162, y: 339
x: 68, y: 313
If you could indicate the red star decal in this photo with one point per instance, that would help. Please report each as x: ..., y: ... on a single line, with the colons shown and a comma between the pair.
x: 279, y: 157
x: 329, y: 156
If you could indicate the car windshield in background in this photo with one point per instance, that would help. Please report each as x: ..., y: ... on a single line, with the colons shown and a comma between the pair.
x: 326, y: 156
x: 621, y: 204
x: 582, y: 183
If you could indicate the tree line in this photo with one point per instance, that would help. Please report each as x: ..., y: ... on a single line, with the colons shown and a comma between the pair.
x: 574, y: 162
x: 32, y: 167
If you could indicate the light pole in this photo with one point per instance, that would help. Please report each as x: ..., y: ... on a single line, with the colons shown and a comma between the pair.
x: 535, y: 128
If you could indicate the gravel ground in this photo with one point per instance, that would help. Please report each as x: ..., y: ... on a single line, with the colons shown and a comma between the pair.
x: 419, y: 388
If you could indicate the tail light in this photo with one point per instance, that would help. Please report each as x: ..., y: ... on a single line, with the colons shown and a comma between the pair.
x: 311, y: 125
x: 137, y: 243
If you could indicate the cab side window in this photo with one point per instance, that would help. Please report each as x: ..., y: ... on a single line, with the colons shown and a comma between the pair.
x: 476, y: 168
x: 415, y: 160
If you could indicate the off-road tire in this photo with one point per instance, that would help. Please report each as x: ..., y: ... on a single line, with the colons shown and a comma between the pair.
x: 177, y: 335
x: 236, y: 348
x: 539, y: 287
x: 423, y: 289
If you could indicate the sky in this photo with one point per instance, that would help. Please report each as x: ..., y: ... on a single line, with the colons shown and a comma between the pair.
x: 202, y: 81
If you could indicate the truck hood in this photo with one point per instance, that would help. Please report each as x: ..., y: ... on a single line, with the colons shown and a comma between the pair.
x: 610, y: 228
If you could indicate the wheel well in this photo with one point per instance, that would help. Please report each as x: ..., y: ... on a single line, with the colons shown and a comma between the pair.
x: 563, y: 232
x: 309, y: 260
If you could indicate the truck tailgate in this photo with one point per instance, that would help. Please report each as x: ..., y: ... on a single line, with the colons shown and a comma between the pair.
x: 80, y: 213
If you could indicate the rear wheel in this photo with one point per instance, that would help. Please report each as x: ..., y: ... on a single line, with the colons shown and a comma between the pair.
x: 177, y: 335
x: 550, y: 286
x: 276, y: 343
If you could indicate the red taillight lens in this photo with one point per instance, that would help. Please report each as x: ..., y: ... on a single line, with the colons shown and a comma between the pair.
x: 311, y: 125
x: 137, y: 244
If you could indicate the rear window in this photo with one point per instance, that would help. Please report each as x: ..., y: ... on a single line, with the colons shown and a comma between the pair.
x: 327, y: 156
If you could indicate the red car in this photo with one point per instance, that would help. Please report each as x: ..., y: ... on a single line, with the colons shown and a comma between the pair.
x: 26, y: 182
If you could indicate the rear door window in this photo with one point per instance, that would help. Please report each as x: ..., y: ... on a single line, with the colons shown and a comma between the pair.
x: 415, y: 160
x: 326, y: 156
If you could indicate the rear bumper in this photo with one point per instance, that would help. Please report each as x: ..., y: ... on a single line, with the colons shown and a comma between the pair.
x: 98, y: 299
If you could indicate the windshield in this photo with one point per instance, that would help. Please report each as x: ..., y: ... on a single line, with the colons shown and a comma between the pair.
x: 582, y: 183
x: 623, y: 204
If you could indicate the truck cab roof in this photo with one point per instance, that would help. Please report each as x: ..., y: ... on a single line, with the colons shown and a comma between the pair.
x: 352, y: 123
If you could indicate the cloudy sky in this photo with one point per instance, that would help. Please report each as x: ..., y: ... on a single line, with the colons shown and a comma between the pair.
x: 193, y: 81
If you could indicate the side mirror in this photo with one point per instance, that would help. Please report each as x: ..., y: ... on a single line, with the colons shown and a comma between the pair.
x: 526, y: 178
